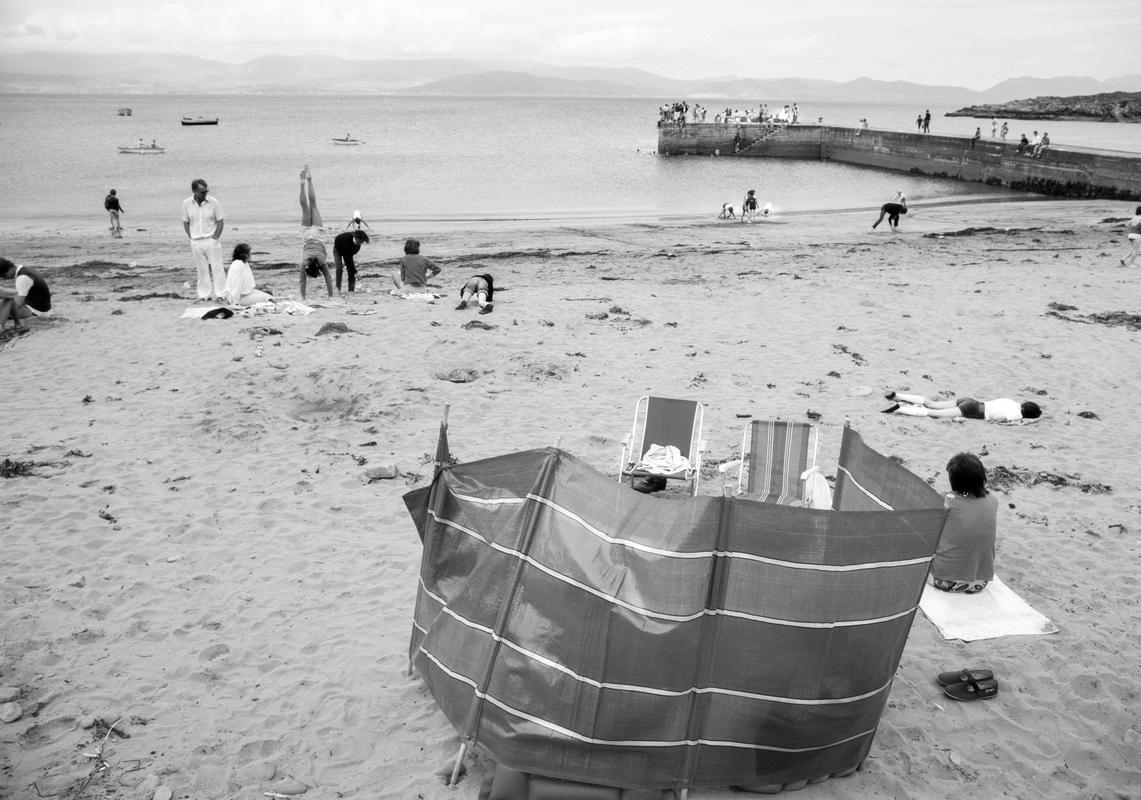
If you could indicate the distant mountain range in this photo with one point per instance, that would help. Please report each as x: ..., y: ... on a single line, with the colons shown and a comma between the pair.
x: 176, y: 74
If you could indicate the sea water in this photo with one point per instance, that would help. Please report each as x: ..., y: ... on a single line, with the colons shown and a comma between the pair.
x: 429, y: 158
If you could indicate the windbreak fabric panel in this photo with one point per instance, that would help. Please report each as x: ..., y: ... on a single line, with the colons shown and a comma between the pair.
x: 578, y: 629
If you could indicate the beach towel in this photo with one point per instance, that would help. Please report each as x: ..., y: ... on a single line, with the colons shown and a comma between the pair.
x: 993, y: 612
x: 277, y: 307
x: 426, y: 297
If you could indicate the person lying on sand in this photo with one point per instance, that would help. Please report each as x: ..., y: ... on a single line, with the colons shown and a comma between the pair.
x: 30, y: 297
x: 1001, y: 410
x: 482, y: 287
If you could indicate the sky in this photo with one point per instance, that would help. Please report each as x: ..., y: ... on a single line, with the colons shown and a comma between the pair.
x: 968, y: 43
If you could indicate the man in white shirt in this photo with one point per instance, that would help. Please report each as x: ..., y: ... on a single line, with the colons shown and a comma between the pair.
x: 203, y: 220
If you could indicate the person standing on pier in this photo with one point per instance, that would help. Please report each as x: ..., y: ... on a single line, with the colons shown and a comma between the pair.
x: 927, y: 121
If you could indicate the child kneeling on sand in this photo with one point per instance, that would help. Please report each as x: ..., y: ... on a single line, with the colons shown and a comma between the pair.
x: 482, y: 287
x: 964, y: 560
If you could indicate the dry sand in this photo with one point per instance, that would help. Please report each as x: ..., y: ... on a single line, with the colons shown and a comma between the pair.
x: 197, y: 556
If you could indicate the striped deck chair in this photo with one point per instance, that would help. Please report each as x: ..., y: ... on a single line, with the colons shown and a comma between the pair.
x: 664, y: 421
x: 774, y: 455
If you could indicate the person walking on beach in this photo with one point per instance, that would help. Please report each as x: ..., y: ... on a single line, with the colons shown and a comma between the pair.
x: 927, y: 121
x: 892, y: 211
x: 29, y: 298
x: 345, y: 247
x: 114, y: 209
x: 203, y: 221
x: 749, y: 206
x: 314, y: 256
x: 1134, y: 229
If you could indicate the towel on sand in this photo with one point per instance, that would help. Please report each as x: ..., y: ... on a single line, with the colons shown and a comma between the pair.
x: 993, y: 612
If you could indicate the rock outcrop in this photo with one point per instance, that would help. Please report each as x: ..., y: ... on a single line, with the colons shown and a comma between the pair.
x: 1111, y: 107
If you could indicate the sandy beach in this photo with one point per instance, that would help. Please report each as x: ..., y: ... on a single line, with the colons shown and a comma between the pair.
x: 197, y: 552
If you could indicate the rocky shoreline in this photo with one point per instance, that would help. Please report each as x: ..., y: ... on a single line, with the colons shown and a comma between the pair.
x: 1109, y: 107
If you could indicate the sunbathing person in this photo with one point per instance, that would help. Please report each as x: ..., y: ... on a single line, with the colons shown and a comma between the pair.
x: 1001, y: 410
x: 482, y: 287
x: 964, y: 560
x: 314, y: 256
x: 241, y: 289
x: 414, y: 268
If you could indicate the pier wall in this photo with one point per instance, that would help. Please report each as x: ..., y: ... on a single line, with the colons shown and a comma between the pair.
x: 1059, y: 170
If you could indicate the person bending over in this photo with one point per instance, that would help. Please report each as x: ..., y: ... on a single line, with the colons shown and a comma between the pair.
x: 414, y: 269
x: 30, y: 297
x: 964, y: 560
x: 482, y: 287
x: 892, y: 211
x: 1001, y: 410
x: 314, y: 257
x: 345, y: 247
x: 240, y: 287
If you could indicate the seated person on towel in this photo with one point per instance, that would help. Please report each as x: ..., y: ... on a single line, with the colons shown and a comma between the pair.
x: 1001, y: 410
x: 964, y: 560
x: 482, y: 287
x: 314, y: 256
x: 414, y: 269
x: 240, y: 287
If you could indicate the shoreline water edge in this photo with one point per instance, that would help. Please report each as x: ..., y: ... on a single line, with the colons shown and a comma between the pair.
x: 211, y: 571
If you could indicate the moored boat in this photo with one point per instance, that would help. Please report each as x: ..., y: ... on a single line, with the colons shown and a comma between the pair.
x: 199, y: 120
x: 144, y: 150
x: 346, y: 139
x: 124, y: 112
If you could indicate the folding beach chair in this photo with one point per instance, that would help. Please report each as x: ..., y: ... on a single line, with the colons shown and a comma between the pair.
x: 666, y: 422
x: 774, y: 455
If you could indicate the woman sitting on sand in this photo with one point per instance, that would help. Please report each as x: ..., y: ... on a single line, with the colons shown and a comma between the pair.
x: 414, y: 269
x: 964, y: 560
x: 482, y: 287
x: 1001, y: 410
x: 240, y: 287
x: 314, y: 256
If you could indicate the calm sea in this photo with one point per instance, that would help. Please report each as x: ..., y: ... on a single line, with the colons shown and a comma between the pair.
x: 427, y: 158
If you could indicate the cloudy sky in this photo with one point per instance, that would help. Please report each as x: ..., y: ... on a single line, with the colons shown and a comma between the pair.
x: 972, y: 43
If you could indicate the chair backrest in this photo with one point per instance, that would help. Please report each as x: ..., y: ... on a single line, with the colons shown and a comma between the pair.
x: 669, y: 421
x: 775, y: 454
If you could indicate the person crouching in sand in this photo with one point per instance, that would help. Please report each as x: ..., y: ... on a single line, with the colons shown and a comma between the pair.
x: 314, y: 256
x: 414, y: 268
x: 1001, y: 410
x: 30, y: 298
x: 482, y: 287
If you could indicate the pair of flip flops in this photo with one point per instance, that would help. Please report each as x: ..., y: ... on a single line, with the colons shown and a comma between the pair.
x: 969, y: 684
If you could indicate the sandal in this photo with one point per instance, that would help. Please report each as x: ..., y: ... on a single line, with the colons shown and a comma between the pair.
x: 963, y: 675
x: 971, y: 689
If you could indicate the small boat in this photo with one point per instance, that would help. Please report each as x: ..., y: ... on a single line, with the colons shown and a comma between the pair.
x: 142, y: 150
x: 199, y: 120
x: 346, y: 139
x: 124, y: 112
